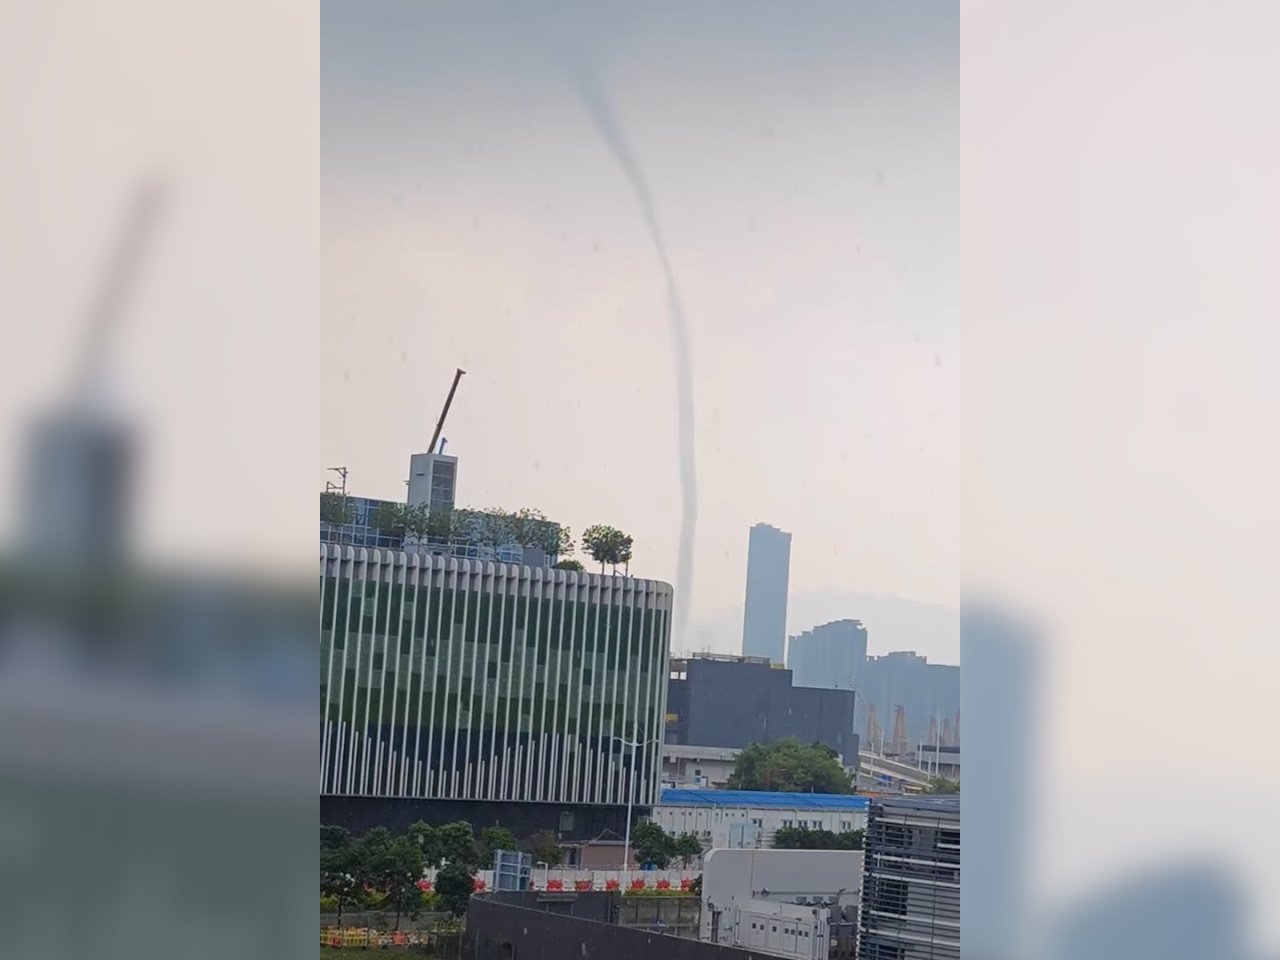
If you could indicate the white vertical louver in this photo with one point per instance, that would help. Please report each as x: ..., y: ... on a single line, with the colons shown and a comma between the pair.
x: 447, y: 678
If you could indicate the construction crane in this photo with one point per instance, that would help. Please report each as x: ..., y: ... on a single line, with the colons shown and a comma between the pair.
x: 435, y: 437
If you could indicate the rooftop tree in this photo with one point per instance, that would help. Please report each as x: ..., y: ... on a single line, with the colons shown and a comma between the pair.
x: 607, y: 545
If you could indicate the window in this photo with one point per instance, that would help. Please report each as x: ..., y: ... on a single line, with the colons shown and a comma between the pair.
x: 786, y: 824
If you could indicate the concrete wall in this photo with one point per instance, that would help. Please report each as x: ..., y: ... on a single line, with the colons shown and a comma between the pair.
x: 674, y: 916
x: 503, y: 930
x: 596, y: 907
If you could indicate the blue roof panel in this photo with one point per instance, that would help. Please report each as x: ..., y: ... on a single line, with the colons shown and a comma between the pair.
x: 763, y: 799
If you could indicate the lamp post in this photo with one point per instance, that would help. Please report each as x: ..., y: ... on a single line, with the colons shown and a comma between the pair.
x: 631, y: 773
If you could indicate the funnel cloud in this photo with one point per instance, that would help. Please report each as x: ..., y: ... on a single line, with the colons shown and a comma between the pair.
x: 590, y: 93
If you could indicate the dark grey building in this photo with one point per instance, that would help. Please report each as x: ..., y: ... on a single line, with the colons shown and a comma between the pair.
x: 764, y: 624
x: 911, y: 879
x: 832, y: 655
x: 721, y: 701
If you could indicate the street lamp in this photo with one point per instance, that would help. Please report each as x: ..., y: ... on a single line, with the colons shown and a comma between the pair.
x: 631, y: 773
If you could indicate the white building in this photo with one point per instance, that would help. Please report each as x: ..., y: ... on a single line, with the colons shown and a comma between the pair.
x: 697, y: 768
x: 712, y: 815
x: 466, y: 680
x: 789, y: 902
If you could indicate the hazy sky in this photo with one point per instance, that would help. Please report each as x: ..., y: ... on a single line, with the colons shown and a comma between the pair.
x: 803, y: 161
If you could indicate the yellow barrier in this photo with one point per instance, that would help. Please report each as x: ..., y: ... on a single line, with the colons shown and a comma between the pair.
x: 363, y: 937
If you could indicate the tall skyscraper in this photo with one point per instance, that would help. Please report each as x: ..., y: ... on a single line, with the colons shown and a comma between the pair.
x: 832, y: 655
x: 764, y: 625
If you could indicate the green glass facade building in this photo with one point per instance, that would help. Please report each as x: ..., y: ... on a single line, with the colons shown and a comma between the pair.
x: 456, y: 679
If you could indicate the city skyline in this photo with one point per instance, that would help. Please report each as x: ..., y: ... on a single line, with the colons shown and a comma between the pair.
x: 473, y: 217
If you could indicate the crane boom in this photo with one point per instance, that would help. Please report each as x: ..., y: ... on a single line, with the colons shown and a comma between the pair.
x: 435, y: 437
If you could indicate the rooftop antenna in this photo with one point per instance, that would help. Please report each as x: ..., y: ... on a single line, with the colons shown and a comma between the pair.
x: 448, y: 402
x: 331, y: 487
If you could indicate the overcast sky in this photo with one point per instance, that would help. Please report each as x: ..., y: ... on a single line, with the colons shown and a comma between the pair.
x: 803, y: 163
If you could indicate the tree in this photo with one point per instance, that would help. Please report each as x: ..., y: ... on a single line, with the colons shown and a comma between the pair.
x: 563, y: 542
x: 398, y: 870
x: 374, y: 846
x: 687, y: 846
x: 651, y: 844
x: 454, y: 885
x: 427, y: 839
x: 493, y: 839
x: 336, y: 509
x: 491, y: 528
x: 458, y: 844
x: 942, y: 785
x: 545, y: 848
x: 624, y: 553
x: 389, y: 518
x: 569, y: 565
x: 334, y: 838
x: 799, y: 838
x: 598, y: 540
x: 442, y: 524
x: 789, y: 766
x: 607, y: 544
x: 341, y: 871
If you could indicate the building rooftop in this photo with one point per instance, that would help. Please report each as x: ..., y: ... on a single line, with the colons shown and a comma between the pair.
x: 942, y: 803
x: 681, y: 751
x: 762, y: 799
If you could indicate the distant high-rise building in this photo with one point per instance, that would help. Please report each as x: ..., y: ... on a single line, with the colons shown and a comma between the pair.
x: 832, y: 655
x: 924, y: 690
x: 764, y: 625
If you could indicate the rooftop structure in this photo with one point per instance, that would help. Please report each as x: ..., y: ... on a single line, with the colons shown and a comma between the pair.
x: 764, y: 799
x: 722, y: 701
